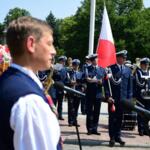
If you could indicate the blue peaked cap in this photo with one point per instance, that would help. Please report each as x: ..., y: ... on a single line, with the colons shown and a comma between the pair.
x: 92, y: 56
x: 62, y: 58
x: 76, y: 62
x: 145, y: 60
x: 122, y: 53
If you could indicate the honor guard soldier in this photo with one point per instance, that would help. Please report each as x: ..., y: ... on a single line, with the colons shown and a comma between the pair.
x: 121, y: 86
x: 142, y: 93
x: 60, y: 72
x: 86, y: 64
x: 74, y: 81
x: 94, y: 76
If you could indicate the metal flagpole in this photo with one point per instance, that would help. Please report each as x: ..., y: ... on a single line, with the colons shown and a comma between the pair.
x: 92, y: 26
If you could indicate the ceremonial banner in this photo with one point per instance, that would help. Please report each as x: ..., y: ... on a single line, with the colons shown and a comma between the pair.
x: 106, y: 48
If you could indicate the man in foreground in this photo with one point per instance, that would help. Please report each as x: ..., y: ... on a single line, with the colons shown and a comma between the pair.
x: 27, y: 122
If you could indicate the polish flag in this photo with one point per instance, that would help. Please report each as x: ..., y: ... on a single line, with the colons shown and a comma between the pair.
x: 106, y: 48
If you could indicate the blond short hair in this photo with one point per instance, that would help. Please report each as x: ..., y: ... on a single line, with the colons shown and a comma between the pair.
x: 20, y: 29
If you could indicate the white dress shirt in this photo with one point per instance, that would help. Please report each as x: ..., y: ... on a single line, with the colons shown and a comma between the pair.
x: 35, y: 126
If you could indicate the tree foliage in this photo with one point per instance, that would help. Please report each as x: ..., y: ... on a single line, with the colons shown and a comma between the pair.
x: 1, y: 33
x: 14, y: 14
x: 130, y: 23
x: 67, y: 32
x: 129, y: 20
x: 55, y: 25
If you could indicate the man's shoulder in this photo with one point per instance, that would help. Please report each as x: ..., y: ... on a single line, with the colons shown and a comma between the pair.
x: 114, y: 67
x: 16, y: 83
x: 89, y: 67
x: 13, y: 76
x: 128, y: 69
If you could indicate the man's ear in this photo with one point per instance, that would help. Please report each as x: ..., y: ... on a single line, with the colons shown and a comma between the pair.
x: 30, y: 43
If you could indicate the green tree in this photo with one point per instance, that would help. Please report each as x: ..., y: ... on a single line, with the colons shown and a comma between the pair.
x: 51, y: 20
x: 119, y: 12
x: 68, y: 34
x: 123, y: 7
x: 1, y: 33
x: 55, y: 24
x: 75, y: 33
x: 131, y: 29
x: 14, y: 14
x: 137, y: 36
x: 127, y: 18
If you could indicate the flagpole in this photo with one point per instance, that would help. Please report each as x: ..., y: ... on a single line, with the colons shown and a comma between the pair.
x: 104, y: 3
x: 106, y: 48
x: 92, y: 26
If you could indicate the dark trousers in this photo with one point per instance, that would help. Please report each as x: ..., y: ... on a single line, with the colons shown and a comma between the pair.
x: 115, y: 121
x: 59, y: 103
x: 73, y: 107
x: 93, y: 112
x: 142, y: 120
x: 141, y: 123
x: 83, y: 105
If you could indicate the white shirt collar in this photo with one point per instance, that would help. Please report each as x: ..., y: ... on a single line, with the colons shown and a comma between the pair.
x: 145, y: 71
x: 120, y: 65
x: 94, y: 65
x: 28, y: 72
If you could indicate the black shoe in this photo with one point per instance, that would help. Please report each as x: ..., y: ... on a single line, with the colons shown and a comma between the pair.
x: 119, y: 140
x: 89, y: 133
x: 61, y: 118
x: 141, y: 133
x: 111, y: 142
x: 70, y: 125
x: 76, y: 124
x: 96, y: 133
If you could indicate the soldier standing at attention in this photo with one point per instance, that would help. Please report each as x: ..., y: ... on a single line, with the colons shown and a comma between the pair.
x: 74, y: 76
x: 142, y: 92
x: 121, y: 86
x: 60, y: 72
x: 94, y: 77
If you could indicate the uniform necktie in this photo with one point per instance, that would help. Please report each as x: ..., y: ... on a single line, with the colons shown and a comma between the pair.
x: 95, y: 70
x: 121, y: 69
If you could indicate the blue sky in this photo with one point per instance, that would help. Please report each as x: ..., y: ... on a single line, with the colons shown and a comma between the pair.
x: 41, y: 8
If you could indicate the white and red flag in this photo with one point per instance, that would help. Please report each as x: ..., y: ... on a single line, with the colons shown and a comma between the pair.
x: 106, y: 48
